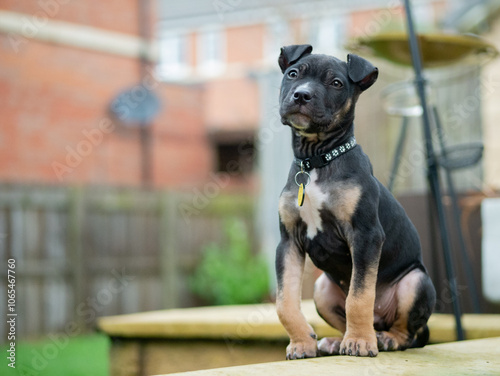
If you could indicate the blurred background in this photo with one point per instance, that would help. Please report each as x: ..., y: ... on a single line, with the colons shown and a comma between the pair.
x: 142, y: 155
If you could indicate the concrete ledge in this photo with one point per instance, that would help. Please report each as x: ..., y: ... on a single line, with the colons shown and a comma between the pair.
x: 183, y: 340
x: 477, y: 357
x: 260, y: 322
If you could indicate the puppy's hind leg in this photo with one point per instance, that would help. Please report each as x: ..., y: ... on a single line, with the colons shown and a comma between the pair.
x: 330, y: 304
x: 416, y: 298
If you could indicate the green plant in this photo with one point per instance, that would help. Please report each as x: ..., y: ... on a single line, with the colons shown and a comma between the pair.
x: 231, y: 274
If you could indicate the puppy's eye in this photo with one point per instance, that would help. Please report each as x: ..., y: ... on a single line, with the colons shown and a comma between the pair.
x: 293, y: 73
x: 337, y: 83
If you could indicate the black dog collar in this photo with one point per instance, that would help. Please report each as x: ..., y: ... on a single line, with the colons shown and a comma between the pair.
x: 317, y: 161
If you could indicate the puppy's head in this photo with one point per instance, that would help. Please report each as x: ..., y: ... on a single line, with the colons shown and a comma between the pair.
x: 318, y: 92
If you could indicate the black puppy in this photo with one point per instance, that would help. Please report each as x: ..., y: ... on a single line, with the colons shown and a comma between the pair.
x: 336, y: 211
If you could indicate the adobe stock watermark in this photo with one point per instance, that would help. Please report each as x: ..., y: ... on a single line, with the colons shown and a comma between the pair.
x: 247, y: 326
x: 382, y: 18
x: 224, y: 6
x: 454, y: 119
x: 202, y: 197
x: 31, y: 25
x: 92, y: 138
x: 75, y: 155
x: 86, y: 311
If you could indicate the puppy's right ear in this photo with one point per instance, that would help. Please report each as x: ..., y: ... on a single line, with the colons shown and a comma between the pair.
x: 291, y: 54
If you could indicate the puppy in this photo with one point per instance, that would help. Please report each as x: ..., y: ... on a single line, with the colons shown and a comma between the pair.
x: 374, y: 288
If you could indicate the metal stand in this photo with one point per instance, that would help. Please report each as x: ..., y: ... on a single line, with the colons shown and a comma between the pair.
x: 448, y: 163
x: 457, y: 213
x: 432, y: 169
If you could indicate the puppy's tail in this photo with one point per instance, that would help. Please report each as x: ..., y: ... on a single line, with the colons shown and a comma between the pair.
x: 422, y: 337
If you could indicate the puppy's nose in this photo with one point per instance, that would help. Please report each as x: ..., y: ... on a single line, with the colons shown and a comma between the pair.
x: 302, y: 96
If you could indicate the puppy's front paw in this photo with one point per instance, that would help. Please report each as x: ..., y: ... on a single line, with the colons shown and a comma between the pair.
x: 359, y: 345
x: 329, y: 346
x: 302, y: 349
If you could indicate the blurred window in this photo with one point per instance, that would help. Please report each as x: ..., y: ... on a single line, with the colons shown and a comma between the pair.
x: 235, y: 157
x: 278, y: 35
x: 327, y: 34
x: 211, y: 52
x: 174, y: 57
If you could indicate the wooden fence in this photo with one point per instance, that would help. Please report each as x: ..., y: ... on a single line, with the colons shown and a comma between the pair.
x: 81, y: 253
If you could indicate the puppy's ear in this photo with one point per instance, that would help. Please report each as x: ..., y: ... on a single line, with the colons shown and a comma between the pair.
x: 291, y: 54
x: 361, y: 71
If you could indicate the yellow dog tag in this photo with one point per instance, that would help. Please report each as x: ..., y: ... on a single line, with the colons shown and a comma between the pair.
x: 301, y: 195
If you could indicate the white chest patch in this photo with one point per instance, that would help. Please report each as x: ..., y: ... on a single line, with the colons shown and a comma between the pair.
x: 313, y: 203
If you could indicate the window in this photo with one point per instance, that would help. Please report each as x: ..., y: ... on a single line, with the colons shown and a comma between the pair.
x: 328, y: 35
x: 174, y: 57
x: 278, y: 35
x: 211, y: 52
x: 235, y: 158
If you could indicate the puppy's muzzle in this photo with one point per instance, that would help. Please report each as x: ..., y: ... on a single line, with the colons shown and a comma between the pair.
x: 302, y: 96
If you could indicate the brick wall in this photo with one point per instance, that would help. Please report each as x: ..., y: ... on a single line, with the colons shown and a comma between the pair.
x: 55, y: 121
x: 114, y: 15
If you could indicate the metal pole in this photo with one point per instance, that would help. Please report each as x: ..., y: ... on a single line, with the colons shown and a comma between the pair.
x: 398, y: 153
x: 144, y: 19
x: 432, y: 171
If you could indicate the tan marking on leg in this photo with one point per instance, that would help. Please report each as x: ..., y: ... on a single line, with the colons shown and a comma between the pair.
x: 288, y: 214
x: 360, y: 304
x: 360, y: 338
x: 302, y: 336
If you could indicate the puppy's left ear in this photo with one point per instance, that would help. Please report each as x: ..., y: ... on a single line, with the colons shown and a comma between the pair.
x: 361, y: 71
x: 291, y: 54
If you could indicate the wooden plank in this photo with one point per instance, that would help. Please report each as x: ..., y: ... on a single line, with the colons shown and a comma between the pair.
x: 4, y: 231
x: 75, y: 248
x: 32, y: 314
x: 57, y: 297
x: 132, y: 295
x: 55, y: 312
x: 168, y: 250
x: 16, y: 235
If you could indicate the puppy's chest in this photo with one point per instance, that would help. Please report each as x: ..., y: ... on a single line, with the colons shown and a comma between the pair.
x: 338, y: 198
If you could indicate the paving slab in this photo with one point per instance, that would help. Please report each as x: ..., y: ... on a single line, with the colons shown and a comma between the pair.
x: 474, y: 357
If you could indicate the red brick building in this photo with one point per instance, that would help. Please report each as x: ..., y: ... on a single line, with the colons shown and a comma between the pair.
x: 62, y: 63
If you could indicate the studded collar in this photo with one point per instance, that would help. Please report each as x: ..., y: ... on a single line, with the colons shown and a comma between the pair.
x: 321, y: 160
